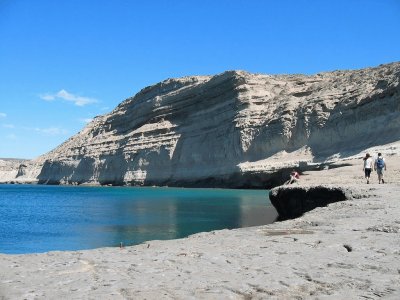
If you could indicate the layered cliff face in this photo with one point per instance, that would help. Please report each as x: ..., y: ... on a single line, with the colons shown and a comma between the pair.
x: 235, y: 129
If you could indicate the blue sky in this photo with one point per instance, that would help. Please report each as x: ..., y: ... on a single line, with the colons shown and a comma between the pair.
x: 64, y: 62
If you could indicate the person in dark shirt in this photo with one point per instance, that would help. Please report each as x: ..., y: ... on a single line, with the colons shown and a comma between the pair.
x: 379, y: 166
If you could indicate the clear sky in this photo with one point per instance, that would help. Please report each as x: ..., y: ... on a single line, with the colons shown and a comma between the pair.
x: 64, y: 62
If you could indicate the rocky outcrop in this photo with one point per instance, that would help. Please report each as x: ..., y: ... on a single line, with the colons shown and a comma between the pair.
x: 235, y: 129
x: 293, y: 201
x: 19, y: 171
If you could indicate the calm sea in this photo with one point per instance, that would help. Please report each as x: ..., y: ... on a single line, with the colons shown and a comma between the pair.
x: 37, y: 218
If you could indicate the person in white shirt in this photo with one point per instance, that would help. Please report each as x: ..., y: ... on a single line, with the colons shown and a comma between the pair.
x: 368, y: 165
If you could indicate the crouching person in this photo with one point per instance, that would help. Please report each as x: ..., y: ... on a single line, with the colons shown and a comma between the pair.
x: 294, y: 177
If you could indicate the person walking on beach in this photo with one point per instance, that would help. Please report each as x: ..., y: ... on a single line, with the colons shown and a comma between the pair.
x: 380, y: 165
x: 368, y: 164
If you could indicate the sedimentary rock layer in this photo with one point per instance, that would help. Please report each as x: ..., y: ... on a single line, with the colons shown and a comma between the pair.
x: 235, y: 129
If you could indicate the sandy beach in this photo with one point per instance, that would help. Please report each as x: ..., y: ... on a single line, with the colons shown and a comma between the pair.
x: 348, y: 250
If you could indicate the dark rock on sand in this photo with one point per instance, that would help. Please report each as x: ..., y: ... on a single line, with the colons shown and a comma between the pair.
x: 293, y: 201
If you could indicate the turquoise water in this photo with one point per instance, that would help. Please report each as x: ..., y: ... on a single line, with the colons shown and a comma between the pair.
x: 38, y: 218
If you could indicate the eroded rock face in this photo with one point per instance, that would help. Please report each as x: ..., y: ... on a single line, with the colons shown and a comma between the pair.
x: 19, y: 171
x: 235, y: 129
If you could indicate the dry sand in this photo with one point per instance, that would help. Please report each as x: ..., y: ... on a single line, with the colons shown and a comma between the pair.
x: 348, y: 250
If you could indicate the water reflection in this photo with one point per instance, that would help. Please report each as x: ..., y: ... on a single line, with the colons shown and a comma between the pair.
x: 178, y: 213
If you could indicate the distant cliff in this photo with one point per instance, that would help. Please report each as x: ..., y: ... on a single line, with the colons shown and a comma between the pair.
x: 234, y: 129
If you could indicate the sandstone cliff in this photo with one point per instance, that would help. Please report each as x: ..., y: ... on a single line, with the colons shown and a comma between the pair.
x: 234, y: 129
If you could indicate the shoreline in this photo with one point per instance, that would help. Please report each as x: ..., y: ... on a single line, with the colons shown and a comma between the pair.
x: 349, y: 249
